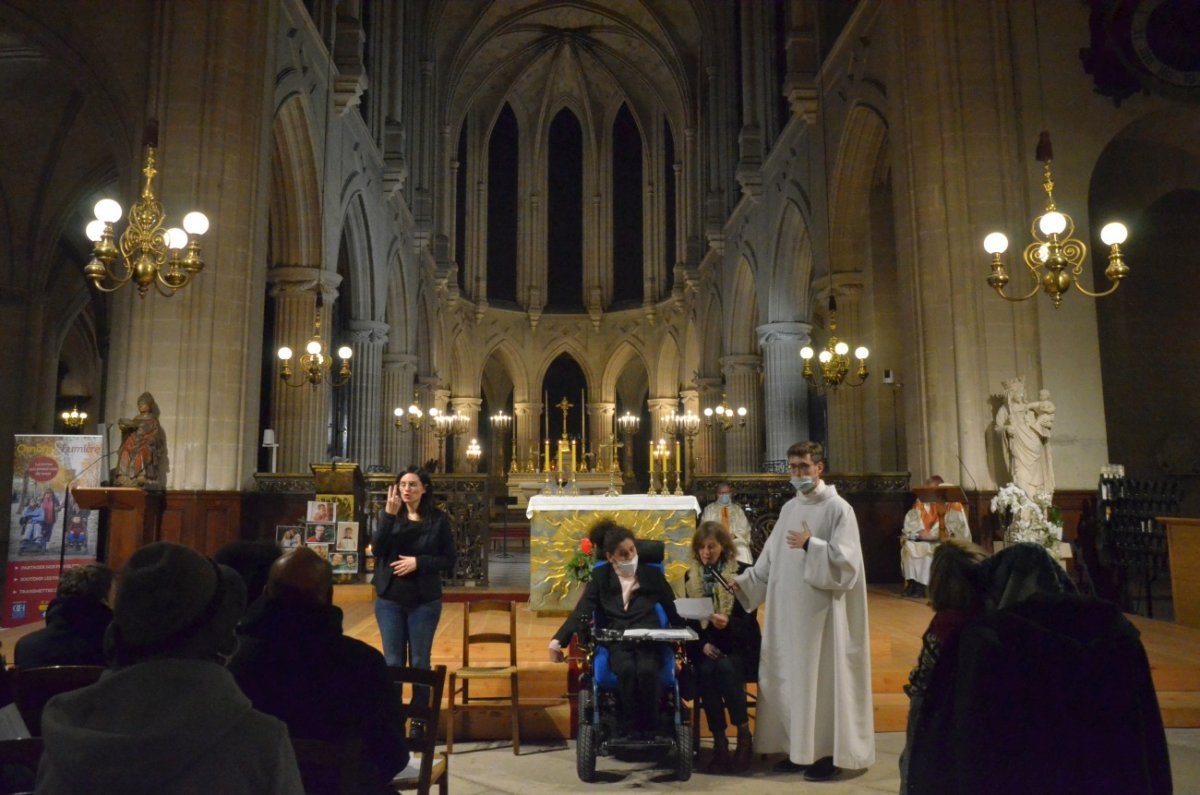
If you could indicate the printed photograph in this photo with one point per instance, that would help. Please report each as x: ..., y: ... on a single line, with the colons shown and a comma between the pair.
x: 321, y: 511
x: 347, y: 536
x: 289, y: 536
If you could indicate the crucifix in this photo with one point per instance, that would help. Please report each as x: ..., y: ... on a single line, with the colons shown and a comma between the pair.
x: 562, y: 406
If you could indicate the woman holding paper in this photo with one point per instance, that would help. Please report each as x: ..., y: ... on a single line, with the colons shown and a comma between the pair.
x: 625, y: 593
x: 726, y: 655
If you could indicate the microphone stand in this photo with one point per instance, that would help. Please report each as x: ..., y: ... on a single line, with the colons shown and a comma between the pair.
x: 720, y: 578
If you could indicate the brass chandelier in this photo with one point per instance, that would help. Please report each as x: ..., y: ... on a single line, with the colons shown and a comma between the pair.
x: 1055, y: 258
x: 412, y: 418
x: 148, y: 254
x: 316, y: 363
x: 834, y: 360
x: 723, y: 416
x: 74, y: 418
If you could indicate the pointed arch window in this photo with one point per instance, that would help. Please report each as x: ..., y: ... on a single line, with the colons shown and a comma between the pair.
x: 627, y: 209
x: 564, y: 214
x: 503, y: 148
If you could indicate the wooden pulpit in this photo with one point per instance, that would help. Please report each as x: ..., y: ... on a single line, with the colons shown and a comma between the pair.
x: 134, y: 519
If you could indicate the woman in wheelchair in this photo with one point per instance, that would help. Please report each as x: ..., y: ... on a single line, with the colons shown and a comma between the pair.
x: 726, y: 655
x: 625, y: 594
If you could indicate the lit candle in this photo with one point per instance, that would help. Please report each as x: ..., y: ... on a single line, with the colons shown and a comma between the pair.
x: 546, y: 458
x: 677, y: 461
x: 652, y: 466
x: 574, y: 459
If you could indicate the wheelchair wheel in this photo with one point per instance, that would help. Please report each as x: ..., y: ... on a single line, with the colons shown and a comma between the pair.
x: 683, y: 752
x: 585, y: 753
x: 585, y: 706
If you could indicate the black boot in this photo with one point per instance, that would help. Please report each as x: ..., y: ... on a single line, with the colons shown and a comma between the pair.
x: 745, y: 749
x: 720, y: 762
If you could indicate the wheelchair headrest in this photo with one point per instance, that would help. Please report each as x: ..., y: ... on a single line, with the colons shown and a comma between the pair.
x: 649, y: 551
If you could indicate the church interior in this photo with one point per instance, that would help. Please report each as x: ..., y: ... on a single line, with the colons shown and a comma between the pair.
x: 614, y: 245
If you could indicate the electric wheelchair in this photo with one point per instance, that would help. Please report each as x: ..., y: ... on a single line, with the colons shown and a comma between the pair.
x: 599, y: 732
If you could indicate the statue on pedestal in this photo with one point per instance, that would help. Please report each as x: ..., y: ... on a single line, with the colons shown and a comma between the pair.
x: 142, y: 457
x: 1025, y: 428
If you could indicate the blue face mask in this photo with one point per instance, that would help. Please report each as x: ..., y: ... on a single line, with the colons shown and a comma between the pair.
x: 724, y: 499
x: 803, y: 485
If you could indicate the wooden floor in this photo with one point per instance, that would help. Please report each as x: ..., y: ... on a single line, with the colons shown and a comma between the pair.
x: 896, y: 627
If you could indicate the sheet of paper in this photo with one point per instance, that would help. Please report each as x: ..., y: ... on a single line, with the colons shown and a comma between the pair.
x: 696, y: 608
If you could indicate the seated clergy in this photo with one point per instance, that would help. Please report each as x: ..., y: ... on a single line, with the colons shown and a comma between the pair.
x: 75, y: 621
x: 730, y: 516
x: 295, y: 663
x: 936, y: 514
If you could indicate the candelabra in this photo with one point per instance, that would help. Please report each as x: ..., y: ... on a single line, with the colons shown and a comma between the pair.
x: 686, y: 425
x: 628, y: 425
x: 834, y: 360
x: 723, y: 417
x: 1053, y: 248
x: 447, y: 425
x: 149, y: 254
x: 501, y: 424
x: 474, y: 453
x: 316, y: 364
x: 74, y: 418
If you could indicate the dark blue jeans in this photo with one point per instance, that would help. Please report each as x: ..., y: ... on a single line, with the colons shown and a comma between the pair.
x: 407, y: 634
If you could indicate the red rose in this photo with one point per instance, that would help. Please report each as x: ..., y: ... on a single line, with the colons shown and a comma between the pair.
x: 585, y: 546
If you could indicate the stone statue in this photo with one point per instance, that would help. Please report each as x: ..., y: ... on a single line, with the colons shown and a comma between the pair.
x: 142, y: 457
x: 1025, y: 428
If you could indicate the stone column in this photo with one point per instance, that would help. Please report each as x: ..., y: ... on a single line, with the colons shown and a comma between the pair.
x: 709, y: 444
x: 368, y: 419
x: 300, y: 415
x: 743, y: 452
x: 846, y: 412
x: 601, y: 433
x: 199, y: 352
x: 397, y: 392
x: 785, y: 392
x: 527, y: 432
x: 469, y: 408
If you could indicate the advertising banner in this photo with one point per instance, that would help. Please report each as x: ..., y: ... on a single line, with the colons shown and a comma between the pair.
x: 42, y: 519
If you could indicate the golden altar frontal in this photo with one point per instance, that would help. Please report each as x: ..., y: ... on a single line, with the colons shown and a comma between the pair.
x: 558, y: 524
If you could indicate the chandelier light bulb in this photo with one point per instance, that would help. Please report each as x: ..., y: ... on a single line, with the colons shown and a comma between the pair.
x: 1043, y: 252
x: 414, y: 411
x: 195, y: 222
x: 285, y: 353
x: 399, y: 412
x: 825, y: 357
x: 345, y: 352
x: 313, y: 347
x: 708, y: 412
x: 1052, y: 223
x: 433, y: 412
x: 1114, y: 234
x: 741, y: 412
x: 108, y: 211
x: 995, y: 243
x: 94, y: 230
x: 841, y: 349
x: 861, y: 352
x: 806, y: 353
x: 176, y: 238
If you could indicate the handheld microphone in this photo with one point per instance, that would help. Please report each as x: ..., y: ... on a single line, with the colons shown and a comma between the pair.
x: 716, y: 575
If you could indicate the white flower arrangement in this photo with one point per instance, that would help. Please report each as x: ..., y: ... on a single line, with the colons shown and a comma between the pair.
x: 1028, y: 520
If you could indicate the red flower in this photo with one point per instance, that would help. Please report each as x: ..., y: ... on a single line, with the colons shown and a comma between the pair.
x: 585, y: 546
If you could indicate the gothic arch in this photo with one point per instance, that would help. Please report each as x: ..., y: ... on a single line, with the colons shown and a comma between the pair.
x: 665, y: 375
x: 860, y: 165
x: 572, y: 348
x: 361, y: 289
x: 743, y: 313
x: 791, y: 277
x: 295, y: 203
x: 620, y: 358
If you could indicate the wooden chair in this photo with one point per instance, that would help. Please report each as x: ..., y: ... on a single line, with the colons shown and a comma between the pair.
x: 33, y: 687
x: 467, y: 673
x: 322, y: 763
x: 434, y: 766
x: 19, y: 760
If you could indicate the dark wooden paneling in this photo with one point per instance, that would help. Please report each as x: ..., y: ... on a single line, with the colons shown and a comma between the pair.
x: 201, y: 520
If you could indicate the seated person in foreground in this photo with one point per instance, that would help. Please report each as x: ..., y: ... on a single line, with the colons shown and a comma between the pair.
x: 252, y: 561
x: 932, y: 518
x: 168, y: 718
x: 625, y: 592
x: 295, y: 663
x: 726, y: 655
x: 75, y: 621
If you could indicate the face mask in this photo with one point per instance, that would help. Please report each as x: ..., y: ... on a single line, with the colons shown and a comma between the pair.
x: 627, y: 567
x: 803, y: 485
x: 724, y: 499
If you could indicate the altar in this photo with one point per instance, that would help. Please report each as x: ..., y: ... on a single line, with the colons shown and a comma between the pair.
x: 558, y: 524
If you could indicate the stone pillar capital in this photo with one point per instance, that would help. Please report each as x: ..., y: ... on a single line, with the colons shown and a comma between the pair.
x: 783, y: 333
x: 741, y: 363
x: 406, y: 362
x: 367, y: 332
x: 289, y: 280
x: 843, y: 284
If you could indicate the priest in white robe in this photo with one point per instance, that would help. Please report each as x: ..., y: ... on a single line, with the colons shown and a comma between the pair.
x: 814, y: 676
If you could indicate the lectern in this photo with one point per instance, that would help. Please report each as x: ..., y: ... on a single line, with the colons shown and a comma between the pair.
x: 134, y: 519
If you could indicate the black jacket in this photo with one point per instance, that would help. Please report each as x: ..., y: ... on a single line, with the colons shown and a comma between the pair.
x: 1050, y: 695
x: 293, y: 662
x: 430, y: 541
x: 603, y: 592
x: 740, y: 637
x: 74, y: 635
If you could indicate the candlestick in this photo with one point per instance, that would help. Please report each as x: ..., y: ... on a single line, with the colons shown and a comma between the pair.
x: 574, y: 459
x: 665, y: 456
x: 651, y: 491
x: 546, y: 458
x: 583, y: 419
x: 546, y: 414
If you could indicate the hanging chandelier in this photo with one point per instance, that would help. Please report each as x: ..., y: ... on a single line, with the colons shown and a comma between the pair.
x: 1055, y: 258
x: 148, y: 254
x: 411, y: 419
x: 834, y: 361
x: 74, y: 418
x: 723, y: 416
x: 316, y: 363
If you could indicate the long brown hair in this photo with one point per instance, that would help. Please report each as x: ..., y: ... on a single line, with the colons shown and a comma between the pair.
x: 954, y: 575
x: 717, y: 532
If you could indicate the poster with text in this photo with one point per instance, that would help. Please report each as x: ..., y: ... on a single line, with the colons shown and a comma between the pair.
x: 43, y: 518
